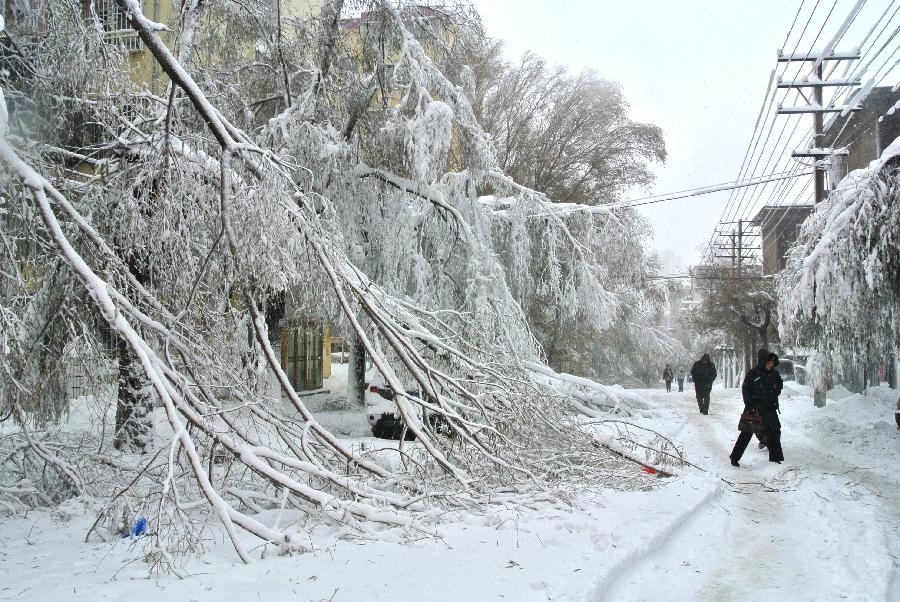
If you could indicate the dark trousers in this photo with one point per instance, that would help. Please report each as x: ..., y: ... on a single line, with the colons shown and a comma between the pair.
x: 668, y: 385
x: 702, y: 398
x: 773, y: 444
x: 680, y: 385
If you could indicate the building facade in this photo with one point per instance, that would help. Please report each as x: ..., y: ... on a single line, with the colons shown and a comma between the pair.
x: 779, y: 226
x: 864, y: 133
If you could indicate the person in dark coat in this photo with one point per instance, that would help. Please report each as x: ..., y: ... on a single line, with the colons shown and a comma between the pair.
x: 760, y: 390
x: 668, y: 375
x: 897, y: 414
x: 703, y: 373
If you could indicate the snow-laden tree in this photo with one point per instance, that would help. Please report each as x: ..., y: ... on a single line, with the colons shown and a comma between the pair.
x: 261, y: 173
x: 571, y: 138
x: 611, y: 335
x: 840, y: 291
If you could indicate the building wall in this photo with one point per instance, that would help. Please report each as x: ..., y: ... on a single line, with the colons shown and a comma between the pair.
x: 864, y: 133
x: 770, y: 253
x: 888, y: 129
x: 779, y: 227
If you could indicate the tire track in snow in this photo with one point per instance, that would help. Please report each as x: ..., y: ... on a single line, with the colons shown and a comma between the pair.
x: 628, y: 562
x: 633, y: 561
x: 760, y: 537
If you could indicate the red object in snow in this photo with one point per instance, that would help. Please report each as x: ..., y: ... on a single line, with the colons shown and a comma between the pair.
x: 649, y: 470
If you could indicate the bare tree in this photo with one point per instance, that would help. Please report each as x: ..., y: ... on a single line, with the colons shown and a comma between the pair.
x: 567, y: 135
x: 738, y: 307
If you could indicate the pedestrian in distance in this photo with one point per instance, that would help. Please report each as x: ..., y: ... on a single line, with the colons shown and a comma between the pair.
x: 668, y: 375
x: 760, y: 391
x: 703, y: 373
x: 897, y: 414
x: 680, y: 378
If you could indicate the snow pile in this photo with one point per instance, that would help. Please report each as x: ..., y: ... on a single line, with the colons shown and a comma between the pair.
x: 858, y: 428
x: 838, y: 393
x: 77, y: 507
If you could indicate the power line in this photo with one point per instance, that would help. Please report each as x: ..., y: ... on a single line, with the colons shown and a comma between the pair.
x: 787, y: 186
x: 738, y: 207
x: 754, y: 145
x: 563, y: 209
x: 695, y: 277
x: 756, y: 181
x: 754, y: 139
x: 794, y: 22
x: 847, y: 122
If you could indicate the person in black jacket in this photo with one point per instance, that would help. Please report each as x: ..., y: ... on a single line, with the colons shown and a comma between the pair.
x: 760, y: 390
x: 668, y: 375
x: 703, y: 373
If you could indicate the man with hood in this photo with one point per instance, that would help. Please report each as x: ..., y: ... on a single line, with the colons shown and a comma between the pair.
x: 760, y: 390
x: 703, y: 373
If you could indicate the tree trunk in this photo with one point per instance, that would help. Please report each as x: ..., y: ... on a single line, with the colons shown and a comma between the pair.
x: 356, y: 371
x: 764, y: 337
x: 748, y: 352
x: 134, y: 404
x: 136, y: 396
x: 331, y: 18
x: 274, y: 314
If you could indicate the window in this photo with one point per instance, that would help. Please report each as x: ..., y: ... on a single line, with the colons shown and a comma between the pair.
x: 115, y: 24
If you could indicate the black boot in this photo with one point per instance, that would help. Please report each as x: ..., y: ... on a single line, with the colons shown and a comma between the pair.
x: 734, y: 462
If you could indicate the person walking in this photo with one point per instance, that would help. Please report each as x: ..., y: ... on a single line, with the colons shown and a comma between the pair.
x: 680, y: 379
x: 703, y: 373
x: 897, y: 414
x: 760, y: 391
x: 668, y: 375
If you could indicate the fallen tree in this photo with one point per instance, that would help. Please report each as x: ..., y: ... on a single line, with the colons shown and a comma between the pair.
x: 183, y: 232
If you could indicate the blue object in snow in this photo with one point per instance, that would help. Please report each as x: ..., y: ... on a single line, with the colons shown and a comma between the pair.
x: 139, y: 528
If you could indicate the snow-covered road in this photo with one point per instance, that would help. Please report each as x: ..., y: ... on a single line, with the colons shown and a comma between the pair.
x: 821, y: 526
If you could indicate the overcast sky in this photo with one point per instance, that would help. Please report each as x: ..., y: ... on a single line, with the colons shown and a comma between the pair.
x: 698, y: 69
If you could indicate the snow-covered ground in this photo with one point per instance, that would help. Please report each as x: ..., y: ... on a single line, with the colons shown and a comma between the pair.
x: 825, y: 525
x: 821, y: 526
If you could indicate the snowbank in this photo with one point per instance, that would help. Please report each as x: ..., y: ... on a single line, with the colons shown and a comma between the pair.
x: 857, y: 428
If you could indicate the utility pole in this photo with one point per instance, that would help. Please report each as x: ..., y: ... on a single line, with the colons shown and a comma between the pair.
x: 818, y: 133
x: 817, y: 151
x: 733, y: 253
x: 817, y: 82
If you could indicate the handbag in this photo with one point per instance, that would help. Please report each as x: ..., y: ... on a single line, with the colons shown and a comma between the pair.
x: 751, y: 422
